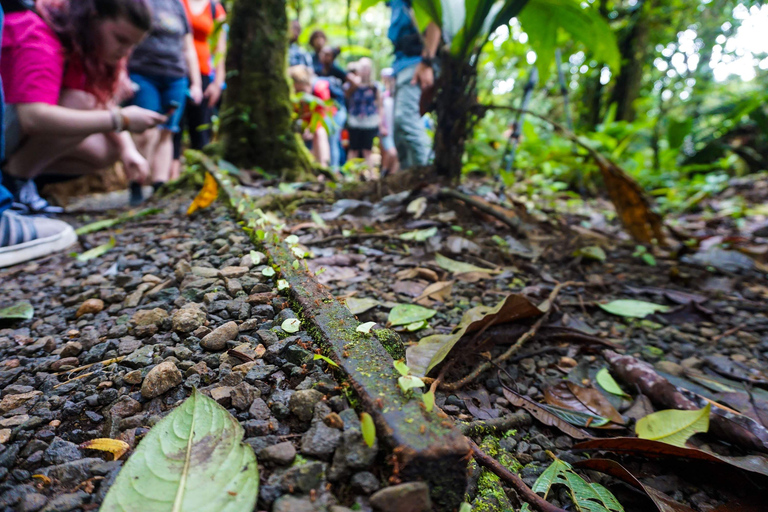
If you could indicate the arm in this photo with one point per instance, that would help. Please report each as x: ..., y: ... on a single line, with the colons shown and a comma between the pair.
x: 135, y: 165
x: 380, y: 109
x: 195, y: 82
x: 45, y: 119
x: 213, y: 91
x: 424, y: 74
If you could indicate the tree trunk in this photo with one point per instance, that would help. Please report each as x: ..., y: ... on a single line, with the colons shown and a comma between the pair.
x: 456, y: 99
x: 257, y: 128
x: 633, y: 47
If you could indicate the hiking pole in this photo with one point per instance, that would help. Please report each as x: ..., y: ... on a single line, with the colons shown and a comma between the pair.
x: 563, y: 90
x: 517, y: 127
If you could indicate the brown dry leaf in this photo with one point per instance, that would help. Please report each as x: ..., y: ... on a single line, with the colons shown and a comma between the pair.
x: 582, y: 399
x: 544, y: 416
x: 472, y: 277
x: 115, y: 447
x: 440, y: 291
x: 336, y: 274
x: 641, y: 408
x: 410, y: 288
x: 610, y: 467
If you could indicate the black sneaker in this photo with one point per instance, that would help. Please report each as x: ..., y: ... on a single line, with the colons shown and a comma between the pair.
x: 136, y: 196
x: 26, y: 199
x: 23, y: 238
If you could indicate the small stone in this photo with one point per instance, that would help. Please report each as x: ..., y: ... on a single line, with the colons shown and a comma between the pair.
x: 71, y: 349
x: 407, y: 497
x: 259, y: 410
x: 61, y: 451
x: 243, y: 396
x: 365, y: 482
x: 670, y: 368
x: 692, y: 362
x: 66, y: 502
x: 247, y: 352
x: 333, y: 420
x: 221, y: 395
x: 302, y: 403
x: 181, y: 269
x: 32, y: 502
x: 157, y: 317
x: 188, y: 318
x: 292, y: 504
x: 528, y: 365
x: 5, y: 435
x: 11, y: 402
x: 140, y: 357
x: 205, y: 272
x: 90, y: 306
x: 303, y: 478
x: 281, y: 454
x: 160, y: 379
x: 65, y: 362
x: 219, y: 337
x: 233, y: 272
x: 133, y: 378
x: 568, y: 362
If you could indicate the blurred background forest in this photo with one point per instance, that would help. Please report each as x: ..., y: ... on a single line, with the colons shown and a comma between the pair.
x: 684, y: 113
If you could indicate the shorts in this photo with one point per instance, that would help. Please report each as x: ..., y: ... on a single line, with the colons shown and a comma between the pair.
x: 362, y: 138
x: 388, y: 142
x: 158, y: 93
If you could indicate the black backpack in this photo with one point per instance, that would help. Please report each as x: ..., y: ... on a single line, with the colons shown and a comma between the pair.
x: 17, y: 5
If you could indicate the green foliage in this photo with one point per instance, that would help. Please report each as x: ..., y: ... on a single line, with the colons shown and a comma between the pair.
x: 672, y: 426
x: 588, y: 497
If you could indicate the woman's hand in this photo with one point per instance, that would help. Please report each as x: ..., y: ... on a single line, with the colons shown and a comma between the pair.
x: 196, y: 93
x: 213, y: 93
x: 139, y: 120
x: 135, y: 165
x: 383, y: 131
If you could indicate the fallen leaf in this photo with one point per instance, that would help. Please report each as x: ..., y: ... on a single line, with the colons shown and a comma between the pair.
x: 632, y: 308
x: 416, y: 326
x: 206, y: 196
x: 458, y: 244
x: 368, y: 428
x: 193, y: 459
x: 114, y: 446
x: 93, y: 227
x: 592, y: 252
x: 431, y: 350
x: 641, y: 408
x: 588, y: 497
x: 459, y: 267
x: 359, y: 306
x: 673, y: 426
x: 578, y: 398
x: 610, y: 467
x: 408, y: 382
x: 366, y: 327
x: 403, y: 314
x: 417, y: 207
x: 544, y: 416
x: 440, y: 291
x: 97, y: 251
x: 22, y: 310
x: 410, y: 288
x: 608, y: 383
x: 483, y: 410
x: 291, y: 325
x: 419, y: 235
x: 472, y: 277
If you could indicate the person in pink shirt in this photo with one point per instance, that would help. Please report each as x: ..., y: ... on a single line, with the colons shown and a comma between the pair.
x: 63, y: 74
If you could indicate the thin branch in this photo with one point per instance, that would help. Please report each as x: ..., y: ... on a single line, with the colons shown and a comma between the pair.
x: 496, y: 425
x: 513, y: 222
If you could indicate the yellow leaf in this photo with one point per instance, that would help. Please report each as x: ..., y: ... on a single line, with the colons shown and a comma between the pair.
x: 43, y: 479
x: 206, y: 196
x: 116, y: 447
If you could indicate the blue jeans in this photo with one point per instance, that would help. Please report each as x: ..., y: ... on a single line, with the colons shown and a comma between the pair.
x: 334, y: 138
x: 5, y: 197
x: 413, y: 144
x: 160, y: 93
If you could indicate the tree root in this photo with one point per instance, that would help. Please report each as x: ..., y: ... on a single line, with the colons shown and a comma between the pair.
x: 496, y: 425
x: 523, y: 491
x: 409, y: 179
x: 513, y: 222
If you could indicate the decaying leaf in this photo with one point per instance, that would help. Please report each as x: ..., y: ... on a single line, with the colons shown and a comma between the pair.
x: 22, y: 310
x: 206, y: 196
x: 610, y: 467
x: 431, y: 350
x: 359, y: 306
x: 673, y: 426
x: 114, y: 446
x: 592, y: 252
x: 417, y: 207
x: 578, y: 398
x: 440, y: 291
x: 419, y: 235
x: 403, y: 314
x: 544, y: 416
x: 192, y: 460
x: 632, y: 308
x: 97, y: 251
x: 588, y: 497
x: 459, y: 267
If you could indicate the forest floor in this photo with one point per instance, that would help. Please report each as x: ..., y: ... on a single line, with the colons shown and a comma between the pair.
x: 710, y: 336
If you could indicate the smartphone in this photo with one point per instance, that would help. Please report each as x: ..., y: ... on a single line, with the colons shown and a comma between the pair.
x: 172, y: 108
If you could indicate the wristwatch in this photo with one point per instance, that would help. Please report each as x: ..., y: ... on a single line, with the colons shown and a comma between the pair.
x: 427, y: 61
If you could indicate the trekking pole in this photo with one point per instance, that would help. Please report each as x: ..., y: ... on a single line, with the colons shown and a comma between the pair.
x: 563, y: 90
x: 517, y: 127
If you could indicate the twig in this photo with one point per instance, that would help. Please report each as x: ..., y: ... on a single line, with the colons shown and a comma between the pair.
x: 453, y: 386
x: 512, y: 222
x: 523, y: 491
x: 105, y: 363
x: 333, y: 238
x: 499, y: 425
x: 730, y: 331
x: 73, y: 378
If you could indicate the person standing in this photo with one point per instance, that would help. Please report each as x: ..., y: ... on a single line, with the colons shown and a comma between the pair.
x: 365, y: 113
x: 165, y: 69
x: 389, y: 161
x: 297, y: 56
x: 203, y: 16
x: 414, y: 74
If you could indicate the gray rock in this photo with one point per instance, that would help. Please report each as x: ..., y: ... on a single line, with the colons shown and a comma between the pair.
x: 281, y: 454
x: 293, y: 504
x: 243, y: 395
x: 66, y: 502
x: 160, y: 379
x: 268, y: 338
x: 365, y: 482
x: 259, y: 410
x: 125, y: 406
x: 320, y: 440
x: 188, y: 318
x: 302, y: 403
x: 140, y: 358
x: 73, y: 472
x: 32, y: 502
x: 219, y: 337
x: 353, y: 454
x: 298, y: 356
x: 407, y: 497
x: 304, y: 478
x: 61, y: 451
x: 258, y: 373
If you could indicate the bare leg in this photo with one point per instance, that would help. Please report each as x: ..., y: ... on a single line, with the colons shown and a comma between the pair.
x: 367, y: 156
x: 321, y: 148
x: 161, y: 160
x: 175, y: 169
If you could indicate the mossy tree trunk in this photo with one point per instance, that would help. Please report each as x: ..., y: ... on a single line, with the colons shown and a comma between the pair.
x: 257, y: 129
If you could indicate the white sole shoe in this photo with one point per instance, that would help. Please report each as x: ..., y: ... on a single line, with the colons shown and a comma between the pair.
x: 20, y: 253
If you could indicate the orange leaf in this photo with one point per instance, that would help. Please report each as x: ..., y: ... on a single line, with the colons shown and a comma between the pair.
x: 206, y: 196
x: 116, y: 447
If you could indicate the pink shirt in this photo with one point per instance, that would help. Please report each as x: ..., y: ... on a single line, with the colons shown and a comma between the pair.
x: 32, y: 63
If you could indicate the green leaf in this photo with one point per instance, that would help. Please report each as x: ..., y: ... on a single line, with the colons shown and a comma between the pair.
x: 366, y: 327
x: 420, y: 235
x: 401, y: 368
x: 403, y: 314
x: 292, y: 240
x: 368, y: 428
x: 416, y: 326
x: 429, y: 400
x: 426, y: 11
x: 256, y: 257
x: 291, y: 325
x: 317, y: 219
x: 592, y: 252
x: 609, y: 384
x: 367, y: 4
x: 326, y: 359
x: 282, y: 284
x: 587, y: 497
x: 108, y: 223
x: 97, y: 251
x: 631, y: 308
x: 459, y: 267
x: 298, y: 252
x: 577, y: 418
x: 192, y: 460
x: 20, y: 311
x: 268, y: 272
x: 358, y: 306
x: 408, y: 382
x: 673, y: 426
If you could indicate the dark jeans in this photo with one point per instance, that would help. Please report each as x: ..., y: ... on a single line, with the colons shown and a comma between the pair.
x: 5, y: 197
x: 195, y: 116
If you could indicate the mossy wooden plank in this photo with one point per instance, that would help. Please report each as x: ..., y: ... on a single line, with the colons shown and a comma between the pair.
x: 427, y: 447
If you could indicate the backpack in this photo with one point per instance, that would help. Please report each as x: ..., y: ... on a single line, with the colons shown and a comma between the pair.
x: 17, y: 5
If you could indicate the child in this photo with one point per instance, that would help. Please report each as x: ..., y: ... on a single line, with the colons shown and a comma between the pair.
x: 61, y: 69
x: 389, y: 161
x: 312, y: 106
x: 365, y: 116
x: 165, y: 68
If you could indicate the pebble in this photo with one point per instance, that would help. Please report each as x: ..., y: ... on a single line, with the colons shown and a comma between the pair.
x: 71, y: 349
x: 281, y: 454
x: 407, y: 497
x: 188, y: 318
x: 219, y: 337
x: 10, y: 402
x: 64, y: 363
x: 669, y: 367
x: 92, y: 306
x: 160, y: 379
x: 61, y: 451
x: 302, y: 403
x: 365, y: 482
